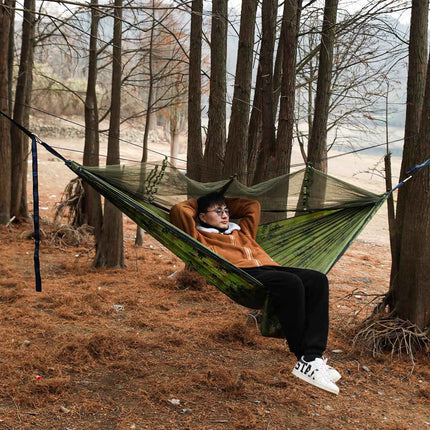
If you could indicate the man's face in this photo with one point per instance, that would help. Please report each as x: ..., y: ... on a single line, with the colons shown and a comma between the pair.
x: 216, y: 215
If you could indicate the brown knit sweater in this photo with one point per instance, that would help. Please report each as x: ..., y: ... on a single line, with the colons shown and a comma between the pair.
x: 239, y: 247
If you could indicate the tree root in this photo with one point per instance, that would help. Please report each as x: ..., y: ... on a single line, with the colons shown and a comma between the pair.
x: 70, y: 206
x: 384, y: 332
x: 65, y: 235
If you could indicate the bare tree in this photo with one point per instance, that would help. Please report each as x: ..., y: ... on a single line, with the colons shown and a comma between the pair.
x: 267, y: 146
x: 276, y: 161
x: 11, y: 55
x: 194, y: 148
x: 235, y: 160
x: 284, y: 138
x: 417, y: 67
x: 254, y: 129
x: 177, y: 120
x: 5, y: 160
x: 139, y: 232
x: 409, y: 296
x: 110, y: 251
x: 92, y: 209
x: 367, y: 51
x: 216, y: 135
x: 317, y: 148
x: 19, y: 141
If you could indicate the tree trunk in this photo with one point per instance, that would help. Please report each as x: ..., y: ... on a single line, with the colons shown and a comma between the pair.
x: 174, y: 138
x: 409, y: 295
x: 414, y: 101
x: 110, y: 249
x: 19, y: 141
x: 148, y: 119
x: 277, y: 72
x: 254, y: 129
x: 235, y: 160
x: 26, y: 122
x: 317, y: 146
x: 92, y: 208
x: 284, y: 139
x: 267, y: 146
x: 5, y: 160
x: 11, y: 56
x: 215, y: 141
x: 194, y: 148
x: 411, y: 298
x: 279, y: 61
x: 138, y: 241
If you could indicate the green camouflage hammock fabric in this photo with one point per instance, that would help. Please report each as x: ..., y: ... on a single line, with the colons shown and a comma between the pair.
x: 308, y: 220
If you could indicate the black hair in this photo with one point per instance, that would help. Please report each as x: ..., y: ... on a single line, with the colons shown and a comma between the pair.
x: 208, y: 200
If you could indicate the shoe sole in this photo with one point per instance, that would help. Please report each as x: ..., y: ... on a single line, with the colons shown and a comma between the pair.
x: 299, y: 375
x: 334, y: 379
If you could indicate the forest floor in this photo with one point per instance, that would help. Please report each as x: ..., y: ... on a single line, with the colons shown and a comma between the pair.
x: 152, y: 347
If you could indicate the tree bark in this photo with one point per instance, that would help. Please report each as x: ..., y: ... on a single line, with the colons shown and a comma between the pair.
x: 215, y: 140
x: 268, y: 142
x: 254, y: 129
x: 409, y: 296
x: 92, y: 208
x: 279, y: 61
x: 277, y: 72
x: 110, y: 249
x: 26, y: 121
x: 194, y: 148
x: 5, y: 155
x: 317, y: 146
x: 11, y: 55
x: 19, y: 141
x: 284, y: 139
x: 235, y: 160
x: 138, y: 241
x: 414, y: 101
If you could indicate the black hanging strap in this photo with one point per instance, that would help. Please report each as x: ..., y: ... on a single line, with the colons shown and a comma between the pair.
x: 34, y: 141
x: 36, y: 214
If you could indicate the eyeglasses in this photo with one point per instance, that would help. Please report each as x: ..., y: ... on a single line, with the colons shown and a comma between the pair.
x: 221, y: 211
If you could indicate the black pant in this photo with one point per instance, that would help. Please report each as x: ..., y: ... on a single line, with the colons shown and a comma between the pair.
x: 300, y: 299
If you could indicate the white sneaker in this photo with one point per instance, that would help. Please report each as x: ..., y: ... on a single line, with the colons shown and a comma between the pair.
x: 315, y: 372
x: 332, y: 372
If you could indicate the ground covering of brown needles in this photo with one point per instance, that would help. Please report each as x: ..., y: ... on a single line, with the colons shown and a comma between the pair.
x: 152, y: 347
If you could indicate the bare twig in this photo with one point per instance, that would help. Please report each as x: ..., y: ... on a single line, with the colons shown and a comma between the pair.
x: 17, y: 409
x: 254, y: 316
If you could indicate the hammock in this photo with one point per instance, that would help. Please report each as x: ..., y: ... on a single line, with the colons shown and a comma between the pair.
x: 299, y: 228
x: 308, y: 220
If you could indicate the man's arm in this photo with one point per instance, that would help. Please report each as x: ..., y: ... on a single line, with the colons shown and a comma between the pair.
x: 248, y: 211
x: 183, y: 216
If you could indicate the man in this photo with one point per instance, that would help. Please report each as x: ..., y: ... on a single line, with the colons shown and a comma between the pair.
x: 298, y: 296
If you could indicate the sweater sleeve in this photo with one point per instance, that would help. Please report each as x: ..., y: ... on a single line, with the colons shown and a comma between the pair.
x: 248, y: 211
x: 183, y: 216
